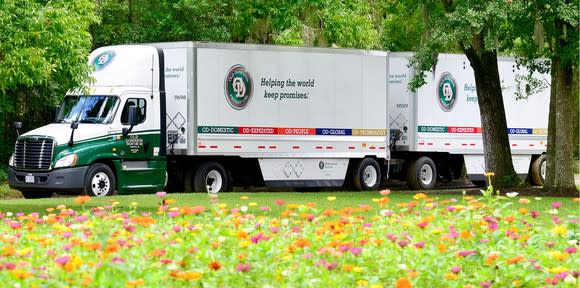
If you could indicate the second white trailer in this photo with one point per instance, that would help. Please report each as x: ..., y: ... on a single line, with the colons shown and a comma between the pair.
x: 437, y: 129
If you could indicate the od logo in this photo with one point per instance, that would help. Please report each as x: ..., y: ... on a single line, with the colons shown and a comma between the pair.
x: 447, y: 92
x: 103, y: 59
x: 238, y: 87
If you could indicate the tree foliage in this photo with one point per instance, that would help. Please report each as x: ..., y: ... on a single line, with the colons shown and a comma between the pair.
x: 43, y: 53
x: 549, y: 28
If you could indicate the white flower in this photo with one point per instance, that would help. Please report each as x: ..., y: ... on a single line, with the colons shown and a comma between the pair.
x: 244, y: 209
x: 538, y: 198
x: 511, y: 194
x: 573, y: 242
x: 402, y: 266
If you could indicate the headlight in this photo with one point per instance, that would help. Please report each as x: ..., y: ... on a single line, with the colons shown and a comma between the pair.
x: 11, y: 161
x: 66, y: 161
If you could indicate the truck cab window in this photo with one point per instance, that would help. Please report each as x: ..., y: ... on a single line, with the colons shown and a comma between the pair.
x: 141, y: 105
x: 87, y: 109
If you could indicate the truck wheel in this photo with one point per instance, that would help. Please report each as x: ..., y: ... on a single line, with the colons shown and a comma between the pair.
x: 100, y: 181
x: 211, y: 177
x: 539, y: 170
x: 421, y: 174
x: 367, y: 175
x: 36, y: 194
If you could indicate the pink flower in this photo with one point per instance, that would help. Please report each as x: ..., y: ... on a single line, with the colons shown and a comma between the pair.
x: 62, y: 260
x: 176, y: 228
x: 466, y: 253
x: 356, y: 250
x: 420, y: 245
x: 243, y: 267
x: 173, y: 214
x: 265, y: 208
x: 117, y: 260
x: 485, y: 284
x: 456, y: 269
x: 385, y: 192
x: 556, y: 205
x: 570, y: 250
x: 534, y: 214
x: 161, y: 194
x: 279, y: 202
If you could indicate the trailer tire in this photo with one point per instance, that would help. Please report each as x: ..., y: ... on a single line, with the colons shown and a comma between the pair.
x: 100, y: 181
x: 36, y: 194
x: 538, y: 172
x: 422, y: 174
x: 212, y: 176
x: 366, y: 175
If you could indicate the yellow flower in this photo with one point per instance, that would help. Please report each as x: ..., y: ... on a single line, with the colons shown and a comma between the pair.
x: 450, y: 276
x: 244, y: 198
x: 558, y: 270
x: 330, y: 198
x: 21, y: 274
x: 558, y: 255
x: 362, y: 283
x: 245, y: 243
x: 420, y: 196
x: 488, y: 174
x: 252, y: 204
x: 560, y: 230
x: 135, y: 283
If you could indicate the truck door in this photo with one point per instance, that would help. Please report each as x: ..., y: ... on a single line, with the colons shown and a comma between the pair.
x: 140, y: 168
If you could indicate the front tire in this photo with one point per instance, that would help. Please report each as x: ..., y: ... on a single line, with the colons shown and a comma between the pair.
x: 100, y: 181
x: 366, y: 175
x: 538, y: 172
x: 211, y: 177
x: 422, y: 174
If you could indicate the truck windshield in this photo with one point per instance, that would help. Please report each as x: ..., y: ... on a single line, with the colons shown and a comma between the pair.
x: 87, y: 109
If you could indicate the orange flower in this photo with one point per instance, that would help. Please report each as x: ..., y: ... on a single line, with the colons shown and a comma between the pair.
x: 81, y: 200
x: 21, y: 274
x: 183, y: 275
x: 384, y: 201
x: 441, y: 247
x: 215, y: 265
x: 576, y: 200
x: 465, y: 234
x: 491, y: 258
x: 112, y: 248
x: 195, y: 210
x: 403, y: 283
x: 523, y: 211
x: 301, y: 243
x: 135, y: 283
x: 158, y: 253
x: 515, y: 259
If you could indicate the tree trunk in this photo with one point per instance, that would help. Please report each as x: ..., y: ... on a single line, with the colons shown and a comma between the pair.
x: 498, y: 157
x: 560, y: 155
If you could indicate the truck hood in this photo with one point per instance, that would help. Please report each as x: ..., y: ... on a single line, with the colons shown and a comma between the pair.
x: 61, y: 132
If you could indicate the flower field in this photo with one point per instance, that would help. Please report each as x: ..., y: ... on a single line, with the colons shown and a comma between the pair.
x: 424, y: 242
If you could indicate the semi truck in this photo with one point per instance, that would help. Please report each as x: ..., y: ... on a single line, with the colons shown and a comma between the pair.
x: 193, y: 116
x: 436, y: 130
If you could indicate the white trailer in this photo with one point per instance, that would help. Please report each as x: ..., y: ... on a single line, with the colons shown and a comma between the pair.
x: 437, y: 129
x: 213, y: 116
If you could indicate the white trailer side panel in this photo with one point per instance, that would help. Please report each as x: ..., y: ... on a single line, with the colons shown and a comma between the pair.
x: 303, y: 102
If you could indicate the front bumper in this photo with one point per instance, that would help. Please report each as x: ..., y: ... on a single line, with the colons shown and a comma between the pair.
x: 60, y: 180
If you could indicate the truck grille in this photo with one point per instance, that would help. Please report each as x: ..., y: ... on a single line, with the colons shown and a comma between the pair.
x: 33, y: 153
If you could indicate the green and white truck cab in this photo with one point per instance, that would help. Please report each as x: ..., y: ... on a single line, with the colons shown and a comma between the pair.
x: 92, y: 147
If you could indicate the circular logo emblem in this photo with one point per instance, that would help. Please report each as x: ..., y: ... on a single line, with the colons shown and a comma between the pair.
x: 321, y: 165
x: 238, y: 87
x: 447, y: 92
x: 103, y: 59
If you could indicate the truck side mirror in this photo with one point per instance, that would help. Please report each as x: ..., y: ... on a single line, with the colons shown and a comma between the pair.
x: 17, y: 125
x: 132, y: 119
x: 56, y: 111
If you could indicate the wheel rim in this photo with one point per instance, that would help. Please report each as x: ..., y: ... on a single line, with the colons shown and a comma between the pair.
x: 543, y: 170
x: 100, y: 184
x: 370, y: 176
x: 426, y: 174
x: 214, y: 181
